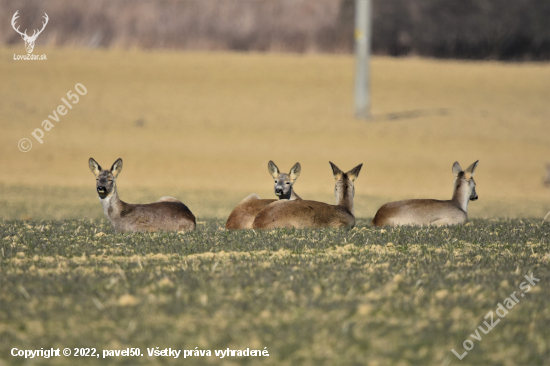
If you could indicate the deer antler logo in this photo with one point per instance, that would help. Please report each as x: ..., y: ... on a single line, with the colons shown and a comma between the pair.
x: 29, y: 41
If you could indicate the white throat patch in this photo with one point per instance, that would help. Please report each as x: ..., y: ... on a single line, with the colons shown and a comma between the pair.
x: 106, y: 203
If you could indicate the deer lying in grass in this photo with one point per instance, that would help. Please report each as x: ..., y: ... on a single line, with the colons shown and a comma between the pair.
x: 312, y: 214
x: 167, y: 214
x: 433, y: 212
x: 243, y: 215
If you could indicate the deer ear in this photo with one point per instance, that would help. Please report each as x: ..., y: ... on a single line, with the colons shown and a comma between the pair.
x: 469, y: 173
x: 117, y: 167
x: 94, y: 166
x: 456, y: 168
x: 273, y: 170
x: 295, y: 172
x: 354, y: 173
x: 336, y: 171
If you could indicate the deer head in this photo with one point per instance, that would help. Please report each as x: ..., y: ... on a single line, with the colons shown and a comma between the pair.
x: 29, y: 41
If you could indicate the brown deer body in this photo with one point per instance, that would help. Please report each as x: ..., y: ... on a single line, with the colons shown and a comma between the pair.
x: 167, y: 214
x: 244, y: 213
x: 433, y: 212
x: 313, y: 214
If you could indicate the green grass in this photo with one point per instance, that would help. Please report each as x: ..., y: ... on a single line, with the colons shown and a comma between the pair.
x: 403, y: 296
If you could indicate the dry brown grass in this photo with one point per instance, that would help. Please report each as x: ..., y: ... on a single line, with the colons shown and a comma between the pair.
x: 212, y: 121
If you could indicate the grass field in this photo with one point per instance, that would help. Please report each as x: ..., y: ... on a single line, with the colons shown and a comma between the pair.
x: 364, y: 296
x: 202, y: 127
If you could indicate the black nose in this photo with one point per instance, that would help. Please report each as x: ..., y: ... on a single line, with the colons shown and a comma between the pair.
x: 474, y: 198
x: 101, y: 189
x: 278, y: 190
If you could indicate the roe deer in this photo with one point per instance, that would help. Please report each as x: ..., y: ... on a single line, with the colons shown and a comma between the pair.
x: 166, y: 214
x: 243, y: 215
x: 312, y: 214
x: 547, y: 180
x: 433, y: 212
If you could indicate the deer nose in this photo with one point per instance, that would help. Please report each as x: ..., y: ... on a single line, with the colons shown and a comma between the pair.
x: 278, y: 190
x: 101, y: 189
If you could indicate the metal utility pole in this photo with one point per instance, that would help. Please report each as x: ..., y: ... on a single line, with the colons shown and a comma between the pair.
x: 362, y: 55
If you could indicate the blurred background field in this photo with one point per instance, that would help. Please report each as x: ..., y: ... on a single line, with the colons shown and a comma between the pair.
x: 201, y: 126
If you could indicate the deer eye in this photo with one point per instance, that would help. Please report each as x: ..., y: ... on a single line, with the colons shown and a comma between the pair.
x: 287, y: 182
x: 275, y: 181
